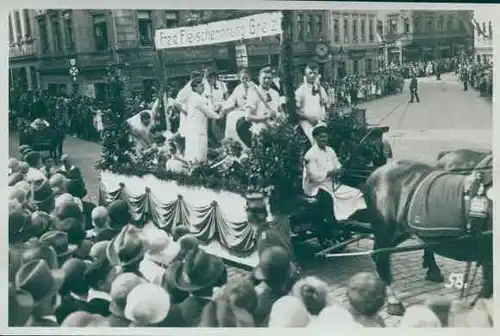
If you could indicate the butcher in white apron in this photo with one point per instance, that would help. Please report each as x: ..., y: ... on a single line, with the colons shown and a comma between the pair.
x: 312, y: 100
x: 235, y: 105
x: 200, y: 110
x: 321, y: 167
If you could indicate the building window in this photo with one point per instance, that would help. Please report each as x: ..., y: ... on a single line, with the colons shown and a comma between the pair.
x: 440, y: 23
x: 100, y: 32
x: 429, y: 25
x: 355, y: 67
x: 27, y: 22
x: 355, y: 30
x: 363, y: 30
x: 406, y: 26
x: 319, y: 25
x: 309, y: 25
x: 34, y: 78
x: 484, y: 28
x: 368, y: 65
x: 371, y: 33
x: 393, y: 26
x: 336, y: 30
x: 171, y: 19
x: 490, y: 30
x: 449, y: 23
x: 145, y: 28
x: 417, y: 26
x: 380, y: 28
x: 56, y: 32
x: 44, y: 35
x: 11, y: 30
x: 17, y: 19
x: 69, y: 32
x: 346, y: 30
x: 300, y: 26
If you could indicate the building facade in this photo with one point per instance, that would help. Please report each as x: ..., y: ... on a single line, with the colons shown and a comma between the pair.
x: 23, y: 60
x: 483, y: 37
x: 426, y: 35
x: 45, y: 42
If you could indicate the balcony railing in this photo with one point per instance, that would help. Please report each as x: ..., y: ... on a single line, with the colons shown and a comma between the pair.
x: 22, y: 50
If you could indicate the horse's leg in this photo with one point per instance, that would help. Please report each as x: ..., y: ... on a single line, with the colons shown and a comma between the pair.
x: 383, y: 266
x: 487, y: 290
x: 433, y: 271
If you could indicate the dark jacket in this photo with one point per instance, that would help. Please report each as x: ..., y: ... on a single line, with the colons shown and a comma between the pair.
x: 69, y: 305
x: 174, y: 318
x: 191, y: 310
x: 414, y: 84
x: 117, y: 321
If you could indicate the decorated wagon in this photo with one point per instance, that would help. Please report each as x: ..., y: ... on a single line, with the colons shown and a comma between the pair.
x: 212, y: 202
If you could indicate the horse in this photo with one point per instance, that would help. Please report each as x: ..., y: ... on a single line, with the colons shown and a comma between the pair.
x: 390, y: 194
x: 460, y: 160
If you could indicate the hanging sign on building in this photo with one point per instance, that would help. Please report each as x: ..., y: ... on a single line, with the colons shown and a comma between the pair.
x: 253, y: 26
x: 241, y: 55
x: 356, y: 55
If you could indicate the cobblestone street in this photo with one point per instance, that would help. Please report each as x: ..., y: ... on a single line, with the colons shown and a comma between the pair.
x: 446, y: 118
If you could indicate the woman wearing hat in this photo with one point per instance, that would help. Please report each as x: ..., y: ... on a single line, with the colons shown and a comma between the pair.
x: 200, y: 110
x: 321, y: 168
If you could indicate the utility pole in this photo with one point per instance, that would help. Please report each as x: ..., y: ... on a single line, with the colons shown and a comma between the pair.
x: 286, y: 63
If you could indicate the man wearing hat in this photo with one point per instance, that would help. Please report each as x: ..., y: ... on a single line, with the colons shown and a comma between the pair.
x: 69, y: 170
x: 199, y: 274
x: 321, y: 168
x: 42, y: 197
x: 161, y: 251
x: 36, y: 278
x: 121, y: 287
x: 265, y: 234
x: 59, y: 242
x: 36, y: 168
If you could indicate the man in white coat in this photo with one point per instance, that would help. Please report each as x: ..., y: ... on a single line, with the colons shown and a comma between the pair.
x: 321, y: 168
x: 181, y: 102
x: 200, y: 111
x: 216, y: 91
x: 312, y: 101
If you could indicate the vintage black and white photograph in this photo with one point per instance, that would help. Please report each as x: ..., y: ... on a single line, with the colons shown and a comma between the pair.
x: 276, y: 167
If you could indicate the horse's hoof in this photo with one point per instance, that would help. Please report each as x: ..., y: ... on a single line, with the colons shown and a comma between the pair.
x: 435, y: 276
x: 395, y: 309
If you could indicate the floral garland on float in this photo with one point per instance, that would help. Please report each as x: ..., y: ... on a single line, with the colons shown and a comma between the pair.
x: 210, y: 198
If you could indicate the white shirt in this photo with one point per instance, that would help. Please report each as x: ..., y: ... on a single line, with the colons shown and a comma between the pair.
x: 183, y: 95
x: 239, y: 96
x: 310, y: 105
x: 216, y: 95
x: 261, y: 102
x: 34, y: 174
x: 317, y: 164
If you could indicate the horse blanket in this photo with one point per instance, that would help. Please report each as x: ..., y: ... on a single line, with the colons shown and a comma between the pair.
x: 437, y: 208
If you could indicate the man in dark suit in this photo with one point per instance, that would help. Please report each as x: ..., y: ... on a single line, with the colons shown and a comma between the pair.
x: 414, y: 89
x: 277, y: 84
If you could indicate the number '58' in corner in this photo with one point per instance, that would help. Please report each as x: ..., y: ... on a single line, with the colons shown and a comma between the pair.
x: 456, y: 280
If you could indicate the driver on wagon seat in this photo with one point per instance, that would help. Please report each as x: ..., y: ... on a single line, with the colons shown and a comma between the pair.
x: 321, y: 168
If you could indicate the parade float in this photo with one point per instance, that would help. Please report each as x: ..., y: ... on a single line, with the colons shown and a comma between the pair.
x: 210, y: 201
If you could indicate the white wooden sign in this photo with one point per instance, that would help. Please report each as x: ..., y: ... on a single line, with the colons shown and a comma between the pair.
x: 253, y: 26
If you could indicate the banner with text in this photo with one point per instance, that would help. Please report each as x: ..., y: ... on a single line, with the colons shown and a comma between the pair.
x: 254, y: 26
